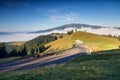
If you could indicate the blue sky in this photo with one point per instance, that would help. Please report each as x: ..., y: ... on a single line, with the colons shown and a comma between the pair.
x: 32, y: 15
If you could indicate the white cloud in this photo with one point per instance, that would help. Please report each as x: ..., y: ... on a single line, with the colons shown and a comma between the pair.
x: 57, y: 15
x: 63, y: 18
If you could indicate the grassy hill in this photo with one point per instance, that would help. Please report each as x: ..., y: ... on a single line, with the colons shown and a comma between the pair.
x: 94, y: 41
x: 85, y: 67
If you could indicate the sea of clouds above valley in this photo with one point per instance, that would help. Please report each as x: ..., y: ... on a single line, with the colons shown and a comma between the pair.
x: 26, y: 37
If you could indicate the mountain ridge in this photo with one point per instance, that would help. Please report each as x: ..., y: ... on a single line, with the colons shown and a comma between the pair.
x: 81, y: 27
x: 69, y: 25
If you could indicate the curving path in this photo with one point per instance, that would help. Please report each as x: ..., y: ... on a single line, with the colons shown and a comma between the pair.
x: 45, y: 61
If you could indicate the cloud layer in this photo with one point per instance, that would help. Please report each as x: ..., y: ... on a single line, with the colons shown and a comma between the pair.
x: 58, y: 15
x: 71, y: 16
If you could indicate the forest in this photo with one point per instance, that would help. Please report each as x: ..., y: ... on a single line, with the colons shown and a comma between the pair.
x: 34, y: 46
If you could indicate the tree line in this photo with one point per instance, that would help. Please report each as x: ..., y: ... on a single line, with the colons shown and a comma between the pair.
x: 31, y: 47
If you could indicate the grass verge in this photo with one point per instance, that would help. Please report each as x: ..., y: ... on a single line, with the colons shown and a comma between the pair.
x: 104, y: 65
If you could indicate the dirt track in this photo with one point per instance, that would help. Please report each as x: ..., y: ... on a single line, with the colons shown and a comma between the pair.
x: 45, y: 61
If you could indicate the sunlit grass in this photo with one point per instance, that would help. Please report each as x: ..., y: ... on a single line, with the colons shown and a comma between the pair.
x: 94, y: 41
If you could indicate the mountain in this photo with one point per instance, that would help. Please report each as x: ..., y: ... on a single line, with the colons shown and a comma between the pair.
x: 82, y: 27
x: 93, y: 41
x: 25, y: 35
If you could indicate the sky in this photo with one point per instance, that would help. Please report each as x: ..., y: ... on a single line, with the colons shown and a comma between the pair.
x: 34, y: 15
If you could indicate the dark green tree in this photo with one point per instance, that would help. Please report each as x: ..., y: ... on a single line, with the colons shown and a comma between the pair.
x: 3, y: 53
x: 70, y: 32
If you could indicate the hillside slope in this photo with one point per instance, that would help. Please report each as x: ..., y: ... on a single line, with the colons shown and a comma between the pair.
x: 94, y: 41
x: 85, y: 67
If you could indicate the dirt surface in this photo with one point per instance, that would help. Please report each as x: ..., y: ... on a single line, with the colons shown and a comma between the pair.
x: 45, y: 61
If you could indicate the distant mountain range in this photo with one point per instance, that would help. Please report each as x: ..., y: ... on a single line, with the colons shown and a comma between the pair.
x: 27, y: 35
x: 82, y: 27
x: 79, y: 27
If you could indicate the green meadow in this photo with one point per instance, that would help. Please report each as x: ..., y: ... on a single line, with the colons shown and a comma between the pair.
x: 104, y: 65
x: 93, y: 41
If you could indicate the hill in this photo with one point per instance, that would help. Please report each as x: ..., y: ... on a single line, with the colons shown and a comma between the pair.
x: 94, y: 41
x: 34, y: 46
x: 85, y: 67
x: 73, y: 25
x: 81, y: 27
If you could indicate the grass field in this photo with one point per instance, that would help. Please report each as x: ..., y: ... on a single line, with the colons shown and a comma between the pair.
x: 8, y: 60
x: 94, y: 41
x: 14, y: 59
x: 85, y: 67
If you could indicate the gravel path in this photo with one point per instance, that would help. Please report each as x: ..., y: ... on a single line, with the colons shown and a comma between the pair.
x: 45, y: 61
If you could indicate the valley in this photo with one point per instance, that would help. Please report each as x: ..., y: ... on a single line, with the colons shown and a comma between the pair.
x: 58, y: 49
x: 59, y: 39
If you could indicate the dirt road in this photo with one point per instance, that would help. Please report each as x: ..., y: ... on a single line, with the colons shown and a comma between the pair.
x: 45, y: 61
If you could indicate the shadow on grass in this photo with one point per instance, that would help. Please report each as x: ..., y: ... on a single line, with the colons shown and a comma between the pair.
x: 100, y: 55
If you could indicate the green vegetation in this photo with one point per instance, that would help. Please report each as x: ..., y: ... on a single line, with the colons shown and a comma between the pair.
x: 101, y: 55
x: 103, y: 65
x: 70, y: 32
x: 34, y: 46
x: 14, y: 59
x: 58, y: 42
x: 94, y: 41
x: 7, y: 60
x: 118, y: 37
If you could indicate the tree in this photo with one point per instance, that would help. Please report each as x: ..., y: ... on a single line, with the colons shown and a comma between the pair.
x: 23, y: 52
x: 70, y: 32
x: 3, y: 53
x: 75, y: 30
x: 31, y: 47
